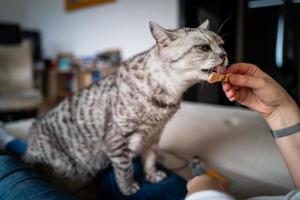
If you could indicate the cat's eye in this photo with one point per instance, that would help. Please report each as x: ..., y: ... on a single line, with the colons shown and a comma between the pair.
x: 203, y: 47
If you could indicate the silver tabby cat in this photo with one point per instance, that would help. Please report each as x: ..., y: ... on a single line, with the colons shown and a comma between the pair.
x: 123, y: 115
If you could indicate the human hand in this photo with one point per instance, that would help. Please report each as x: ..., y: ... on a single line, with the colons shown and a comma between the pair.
x: 253, y: 88
x: 203, y: 182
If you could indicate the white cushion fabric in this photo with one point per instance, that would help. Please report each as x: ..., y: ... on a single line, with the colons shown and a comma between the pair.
x: 232, y: 140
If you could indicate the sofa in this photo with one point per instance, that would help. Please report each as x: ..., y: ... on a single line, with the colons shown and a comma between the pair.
x: 233, y: 141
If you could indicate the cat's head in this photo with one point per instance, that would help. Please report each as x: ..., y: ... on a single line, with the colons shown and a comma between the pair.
x: 193, y: 53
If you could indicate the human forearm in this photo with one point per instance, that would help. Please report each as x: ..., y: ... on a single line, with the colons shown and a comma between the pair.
x: 285, y: 116
x: 290, y: 149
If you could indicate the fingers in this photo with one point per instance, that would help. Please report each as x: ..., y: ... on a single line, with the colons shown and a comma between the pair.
x: 244, y: 78
x: 246, y: 81
x: 231, y: 92
x: 242, y: 68
x: 232, y: 95
x: 226, y: 86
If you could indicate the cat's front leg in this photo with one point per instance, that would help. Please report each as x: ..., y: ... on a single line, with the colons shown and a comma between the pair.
x: 125, y: 179
x: 153, y: 175
x: 121, y: 159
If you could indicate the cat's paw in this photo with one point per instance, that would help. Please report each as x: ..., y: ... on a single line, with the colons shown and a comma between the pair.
x: 155, y: 176
x: 130, y: 189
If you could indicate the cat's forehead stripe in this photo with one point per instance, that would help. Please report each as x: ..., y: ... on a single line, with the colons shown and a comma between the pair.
x: 207, y: 38
x: 202, y: 38
x: 211, y: 37
x: 202, y: 35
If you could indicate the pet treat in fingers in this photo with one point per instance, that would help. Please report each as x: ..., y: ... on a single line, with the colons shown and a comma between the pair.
x: 216, y: 77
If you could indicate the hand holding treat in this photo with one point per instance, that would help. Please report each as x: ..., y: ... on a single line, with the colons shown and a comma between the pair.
x: 252, y: 87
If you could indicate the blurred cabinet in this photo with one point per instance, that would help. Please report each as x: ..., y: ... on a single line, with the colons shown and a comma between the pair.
x: 62, y: 84
x: 272, y: 41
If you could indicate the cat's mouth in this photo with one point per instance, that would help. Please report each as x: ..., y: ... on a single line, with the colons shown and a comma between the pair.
x: 219, y: 69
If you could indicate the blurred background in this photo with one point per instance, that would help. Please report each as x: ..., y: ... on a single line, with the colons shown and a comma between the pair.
x: 51, y: 49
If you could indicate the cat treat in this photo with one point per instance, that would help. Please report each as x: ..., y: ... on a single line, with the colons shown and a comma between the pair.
x: 216, y: 77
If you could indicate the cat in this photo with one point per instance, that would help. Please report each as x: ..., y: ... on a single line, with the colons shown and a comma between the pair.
x: 123, y: 115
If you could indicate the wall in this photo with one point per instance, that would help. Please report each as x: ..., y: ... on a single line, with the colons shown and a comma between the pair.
x: 13, y: 11
x: 123, y: 24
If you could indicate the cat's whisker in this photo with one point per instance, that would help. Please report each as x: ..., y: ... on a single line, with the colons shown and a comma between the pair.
x: 223, y: 24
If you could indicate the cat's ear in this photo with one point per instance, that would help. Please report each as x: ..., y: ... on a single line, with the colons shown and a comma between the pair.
x: 162, y: 36
x: 204, y: 25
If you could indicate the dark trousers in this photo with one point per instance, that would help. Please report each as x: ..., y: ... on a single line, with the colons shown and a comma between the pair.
x: 20, y: 182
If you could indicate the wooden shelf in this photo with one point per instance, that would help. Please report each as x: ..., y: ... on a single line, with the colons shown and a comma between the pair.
x: 65, y: 83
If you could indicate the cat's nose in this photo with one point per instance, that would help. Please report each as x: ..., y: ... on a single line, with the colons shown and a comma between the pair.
x: 223, y: 55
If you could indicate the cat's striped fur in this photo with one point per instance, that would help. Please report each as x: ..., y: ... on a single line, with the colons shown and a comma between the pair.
x: 123, y: 115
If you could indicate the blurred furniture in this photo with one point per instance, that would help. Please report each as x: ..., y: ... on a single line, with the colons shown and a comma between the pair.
x: 62, y: 84
x: 235, y: 142
x: 18, y: 98
x: 68, y: 74
x: 280, y: 40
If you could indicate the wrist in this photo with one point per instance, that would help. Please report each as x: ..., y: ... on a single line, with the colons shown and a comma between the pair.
x: 285, y: 115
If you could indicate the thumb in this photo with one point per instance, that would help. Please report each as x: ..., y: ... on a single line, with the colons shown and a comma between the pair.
x: 245, y: 81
